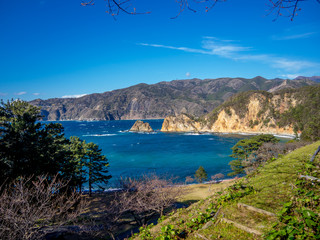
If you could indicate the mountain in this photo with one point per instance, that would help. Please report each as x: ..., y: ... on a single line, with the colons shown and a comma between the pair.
x: 283, y: 112
x: 143, y: 101
x: 314, y: 78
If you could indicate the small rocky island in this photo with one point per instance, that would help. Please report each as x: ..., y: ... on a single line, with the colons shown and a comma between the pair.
x: 140, y: 126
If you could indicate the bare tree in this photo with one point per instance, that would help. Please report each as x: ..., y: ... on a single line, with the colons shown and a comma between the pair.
x: 217, y: 176
x: 114, y: 212
x: 28, y: 205
x: 189, y: 179
x: 268, y: 151
x: 287, y: 8
x: 147, y: 196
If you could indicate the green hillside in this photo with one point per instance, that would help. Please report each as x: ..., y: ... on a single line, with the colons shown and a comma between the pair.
x: 275, y: 187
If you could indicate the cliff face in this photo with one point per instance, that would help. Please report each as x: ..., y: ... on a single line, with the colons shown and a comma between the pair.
x: 259, y: 115
x: 196, y: 97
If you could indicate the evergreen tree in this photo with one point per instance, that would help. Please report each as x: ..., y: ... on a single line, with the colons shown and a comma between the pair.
x: 246, y: 147
x: 201, y: 174
x: 97, y: 167
x: 74, y: 169
x: 28, y: 147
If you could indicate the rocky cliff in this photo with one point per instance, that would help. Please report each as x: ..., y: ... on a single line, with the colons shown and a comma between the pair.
x: 249, y: 112
x: 196, y: 97
x: 140, y: 126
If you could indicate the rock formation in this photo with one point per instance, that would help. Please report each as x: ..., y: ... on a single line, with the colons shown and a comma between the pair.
x: 140, y: 126
x: 258, y: 114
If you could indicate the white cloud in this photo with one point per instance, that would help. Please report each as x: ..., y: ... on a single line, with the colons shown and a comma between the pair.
x: 188, y: 74
x: 36, y: 94
x: 3, y: 94
x: 20, y: 93
x: 74, y: 96
x: 225, y: 49
x: 294, y: 36
x: 291, y: 76
x: 292, y: 65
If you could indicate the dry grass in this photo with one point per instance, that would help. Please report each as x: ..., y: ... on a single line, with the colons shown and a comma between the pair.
x: 196, y: 192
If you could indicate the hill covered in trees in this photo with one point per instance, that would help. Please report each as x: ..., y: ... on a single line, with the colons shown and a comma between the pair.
x: 287, y: 111
x: 196, y: 97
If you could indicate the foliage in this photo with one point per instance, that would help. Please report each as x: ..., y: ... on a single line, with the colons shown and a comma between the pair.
x: 184, y: 228
x: 305, y: 116
x: 76, y: 165
x: 31, y: 148
x: 96, y: 166
x: 299, y: 217
x: 28, y: 147
x: 201, y: 174
x: 246, y: 147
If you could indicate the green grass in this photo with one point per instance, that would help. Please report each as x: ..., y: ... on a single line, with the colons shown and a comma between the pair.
x: 272, y: 184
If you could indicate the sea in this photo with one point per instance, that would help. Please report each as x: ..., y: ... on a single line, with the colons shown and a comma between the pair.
x: 170, y: 155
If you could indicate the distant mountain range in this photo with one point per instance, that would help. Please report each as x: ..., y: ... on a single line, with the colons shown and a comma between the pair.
x: 195, y: 96
x: 314, y: 78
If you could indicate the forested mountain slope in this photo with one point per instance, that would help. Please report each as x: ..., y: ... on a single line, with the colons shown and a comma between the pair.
x: 196, y: 97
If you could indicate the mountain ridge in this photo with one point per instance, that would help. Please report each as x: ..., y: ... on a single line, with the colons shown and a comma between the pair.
x: 155, y: 101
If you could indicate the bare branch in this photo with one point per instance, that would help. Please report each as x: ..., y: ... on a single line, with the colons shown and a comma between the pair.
x: 286, y: 8
x: 27, y: 205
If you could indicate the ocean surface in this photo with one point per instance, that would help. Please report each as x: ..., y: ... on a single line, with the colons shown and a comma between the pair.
x: 175, y: 155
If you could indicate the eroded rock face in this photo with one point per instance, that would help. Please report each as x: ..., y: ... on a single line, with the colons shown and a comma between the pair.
x: 256, y: 118
x: 140, y: 126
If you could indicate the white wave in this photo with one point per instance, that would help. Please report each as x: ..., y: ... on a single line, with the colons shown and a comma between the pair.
x: 284, y: 136
x: 197, y: 134
x: 123, y: 131
x: 145, y: 132
x: 98, y: 135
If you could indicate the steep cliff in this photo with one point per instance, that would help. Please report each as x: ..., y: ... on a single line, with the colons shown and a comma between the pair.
x: 254, y: 112
x: 196, y: 97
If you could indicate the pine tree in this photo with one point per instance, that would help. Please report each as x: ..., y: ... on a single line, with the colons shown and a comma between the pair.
x: 201, y: 174
x: 75, y: 168
x: 97, y: 167
x: 245, y: 148
x: 28, y: 147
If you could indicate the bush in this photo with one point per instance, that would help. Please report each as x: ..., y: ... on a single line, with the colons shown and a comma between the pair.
x: 27, y: 206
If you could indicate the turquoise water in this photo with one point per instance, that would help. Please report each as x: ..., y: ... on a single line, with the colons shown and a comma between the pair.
x: 172, y: 154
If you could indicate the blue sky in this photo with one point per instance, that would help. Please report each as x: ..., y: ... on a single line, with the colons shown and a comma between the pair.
x: 56, y: 48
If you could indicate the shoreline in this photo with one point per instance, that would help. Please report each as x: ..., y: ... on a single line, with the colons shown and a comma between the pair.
x: 290, y: 136
x: 109, y: 190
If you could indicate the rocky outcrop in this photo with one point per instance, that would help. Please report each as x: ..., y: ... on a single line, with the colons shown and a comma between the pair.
x: 140, y: 126
x: 196, y: 97
x: 260, y: 114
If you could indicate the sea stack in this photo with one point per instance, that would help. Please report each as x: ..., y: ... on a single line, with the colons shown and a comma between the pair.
x: 140, y: 126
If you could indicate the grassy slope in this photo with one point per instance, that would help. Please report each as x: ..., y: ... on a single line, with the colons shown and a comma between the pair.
x: 273, y: 187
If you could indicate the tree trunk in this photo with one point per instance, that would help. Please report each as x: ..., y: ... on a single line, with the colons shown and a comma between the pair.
x: 90, y: 185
